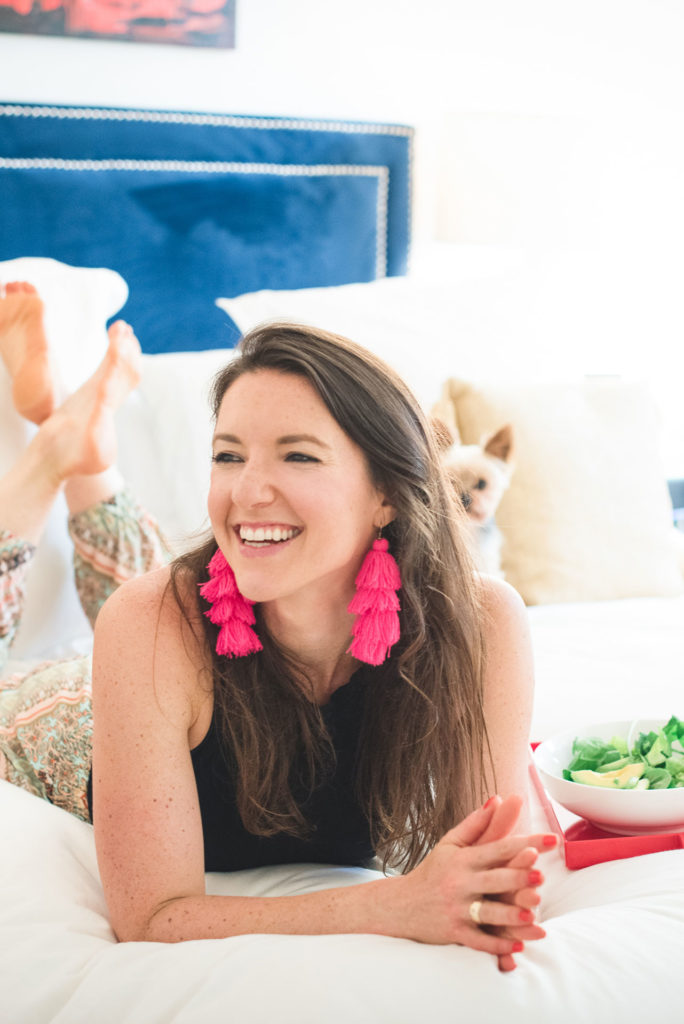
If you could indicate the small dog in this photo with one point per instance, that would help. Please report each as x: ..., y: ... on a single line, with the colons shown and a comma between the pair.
x: 480, y: 474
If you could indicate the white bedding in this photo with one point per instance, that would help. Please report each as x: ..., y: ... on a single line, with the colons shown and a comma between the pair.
x: 615, y: 943
x: 615, y: 931
x: 606, y: 660
x: 613, y: 948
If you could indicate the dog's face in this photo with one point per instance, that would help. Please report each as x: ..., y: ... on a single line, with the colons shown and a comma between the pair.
x: 480, y: 473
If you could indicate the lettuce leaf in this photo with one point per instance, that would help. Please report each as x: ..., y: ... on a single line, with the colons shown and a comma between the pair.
x: 661, y: 751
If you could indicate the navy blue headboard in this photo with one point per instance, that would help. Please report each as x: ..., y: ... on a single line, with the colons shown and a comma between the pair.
x: 190, y: 207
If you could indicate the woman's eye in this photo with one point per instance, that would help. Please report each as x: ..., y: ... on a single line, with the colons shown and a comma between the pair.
x: 225, y: 457
x: 299, y: 457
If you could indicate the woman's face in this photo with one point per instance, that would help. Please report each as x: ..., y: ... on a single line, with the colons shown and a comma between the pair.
x: 291, y: 502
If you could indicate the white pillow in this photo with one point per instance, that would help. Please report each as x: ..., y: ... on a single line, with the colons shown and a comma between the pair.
x: 471, y: 312
x: 425, y: 329
x: 78, y: 302
x: 164, y: 433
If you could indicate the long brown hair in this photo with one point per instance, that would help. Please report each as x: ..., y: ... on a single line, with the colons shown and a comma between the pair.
x: 422, y: 739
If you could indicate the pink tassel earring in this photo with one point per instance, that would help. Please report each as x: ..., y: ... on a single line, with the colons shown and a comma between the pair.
x: 376, y: 604
x: 229, y: 610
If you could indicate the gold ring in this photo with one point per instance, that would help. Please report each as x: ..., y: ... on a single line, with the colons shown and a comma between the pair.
x: 474, y: 911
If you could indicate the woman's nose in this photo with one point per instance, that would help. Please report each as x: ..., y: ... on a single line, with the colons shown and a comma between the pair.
x: 252, y: 486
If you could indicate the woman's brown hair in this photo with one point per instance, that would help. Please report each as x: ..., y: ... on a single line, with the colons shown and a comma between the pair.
x: 421, y: 744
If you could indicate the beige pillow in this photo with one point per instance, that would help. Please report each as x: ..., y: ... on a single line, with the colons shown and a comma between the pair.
x: 587, y: 516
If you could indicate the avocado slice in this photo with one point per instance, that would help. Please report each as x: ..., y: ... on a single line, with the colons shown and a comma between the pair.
x: 613, y: 766
x: 623, y: 778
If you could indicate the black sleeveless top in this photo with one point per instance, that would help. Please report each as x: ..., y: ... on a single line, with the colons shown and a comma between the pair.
x: 341, y: 831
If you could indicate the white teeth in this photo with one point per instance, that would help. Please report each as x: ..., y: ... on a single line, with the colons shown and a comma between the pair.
x: 263, y: 534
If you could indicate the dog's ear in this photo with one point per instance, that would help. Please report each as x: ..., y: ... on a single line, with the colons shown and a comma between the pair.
x: 443, y: 423
x: 444, y: 412
x: 500, y: 444
x: 442, y: 434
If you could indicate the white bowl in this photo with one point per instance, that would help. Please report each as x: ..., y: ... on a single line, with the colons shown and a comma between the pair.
x: 627, y: 812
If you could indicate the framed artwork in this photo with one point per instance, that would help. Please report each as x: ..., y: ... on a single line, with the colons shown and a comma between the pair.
x: 187, y: 22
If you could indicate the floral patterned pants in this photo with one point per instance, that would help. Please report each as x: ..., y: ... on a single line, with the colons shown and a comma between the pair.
x: 45, y: 714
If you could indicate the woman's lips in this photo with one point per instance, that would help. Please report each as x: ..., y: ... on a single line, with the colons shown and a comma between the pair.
x: 266, y: 544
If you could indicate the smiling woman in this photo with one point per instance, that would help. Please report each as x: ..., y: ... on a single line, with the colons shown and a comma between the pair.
x: 318, y: 446
x: 296, y: 472
x: 238, y: 721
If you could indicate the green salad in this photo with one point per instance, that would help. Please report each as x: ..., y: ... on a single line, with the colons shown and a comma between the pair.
x: 656, y: 760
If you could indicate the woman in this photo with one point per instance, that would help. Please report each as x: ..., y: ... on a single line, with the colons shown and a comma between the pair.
x: 284, y: 746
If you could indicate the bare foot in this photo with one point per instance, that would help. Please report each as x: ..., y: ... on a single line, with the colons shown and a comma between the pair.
x: 81, y: 431
x: 24, y: 349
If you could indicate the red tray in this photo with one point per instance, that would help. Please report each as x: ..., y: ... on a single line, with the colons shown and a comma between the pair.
x: 584, y: 844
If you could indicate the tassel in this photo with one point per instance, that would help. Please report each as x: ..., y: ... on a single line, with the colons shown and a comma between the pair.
x: 229, y: 610
x: 376, y: 605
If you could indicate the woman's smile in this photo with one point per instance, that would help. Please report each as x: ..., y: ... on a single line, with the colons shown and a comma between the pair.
x: 289, y: 486
x: 264, y: 538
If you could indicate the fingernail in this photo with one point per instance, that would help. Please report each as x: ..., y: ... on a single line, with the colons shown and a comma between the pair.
x: 526, y: 915
x: 549, y: 840
x: 489, y: 802
x: 534, y: 878
x: 518, y: 947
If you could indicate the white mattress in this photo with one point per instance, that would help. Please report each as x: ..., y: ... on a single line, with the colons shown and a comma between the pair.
x: 615, y: 931
x: 613, y: 948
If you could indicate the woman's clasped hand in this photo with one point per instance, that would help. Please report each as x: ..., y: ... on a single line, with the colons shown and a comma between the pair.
x: 480, y: 862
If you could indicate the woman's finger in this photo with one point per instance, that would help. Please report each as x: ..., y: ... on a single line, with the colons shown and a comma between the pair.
x: 490, y: 942
x: 526, y: 899
x: 525, y: 859
x: 525, y: 933
x: 506, y: 963
x: 502, y: 851
x: 509, y: 880
x: 469, y: 831
x: 493, y: 913
x: 503, y: 820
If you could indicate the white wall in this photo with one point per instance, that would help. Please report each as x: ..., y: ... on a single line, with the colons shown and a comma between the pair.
x: 551, y: 125
x: 434, y: 64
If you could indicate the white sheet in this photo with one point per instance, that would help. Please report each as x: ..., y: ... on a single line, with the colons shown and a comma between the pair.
x: 615, y: 931
x: 613, y: 948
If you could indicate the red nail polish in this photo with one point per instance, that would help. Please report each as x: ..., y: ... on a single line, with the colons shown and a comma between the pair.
x: 535, y: 878
x: 526, y: 915
x: 549, y: 840
x: 489, y: 802
x: 518, y: 947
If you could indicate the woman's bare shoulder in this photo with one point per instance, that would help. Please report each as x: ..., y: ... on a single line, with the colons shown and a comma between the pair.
x: 149, y: 624
x: 157, y: 594
x: 499, y: 601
